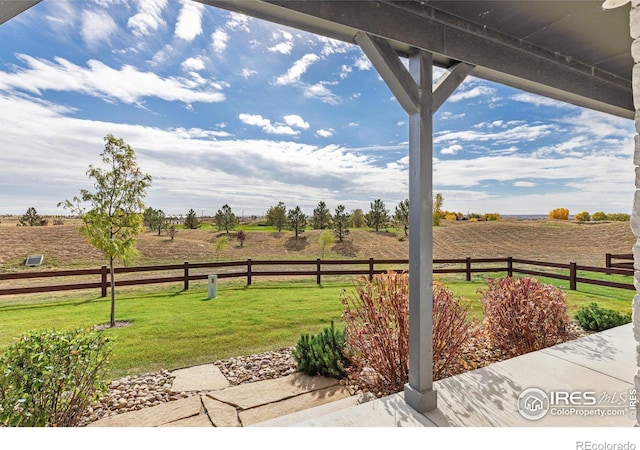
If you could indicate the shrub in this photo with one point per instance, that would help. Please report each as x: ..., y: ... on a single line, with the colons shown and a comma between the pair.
x: 377, y: 326
x: 583, y: 217
x: 49, y: 378
x: 522, y: 315
x: 559, y: 214
x: 491, y: 217
x: 618, y: 217
x: 450, y: 216
x: 451, y: 329
x: 322, y: 354
x: 599, y: 216
x: 594, y: 318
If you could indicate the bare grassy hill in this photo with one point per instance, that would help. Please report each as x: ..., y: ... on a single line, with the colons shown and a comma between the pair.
x: 62, y: 246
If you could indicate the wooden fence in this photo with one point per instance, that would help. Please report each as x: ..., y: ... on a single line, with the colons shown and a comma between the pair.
x: 610, y: 261
x: 250, y: 269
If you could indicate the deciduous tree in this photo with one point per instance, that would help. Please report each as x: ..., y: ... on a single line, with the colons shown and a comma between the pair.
x: 113, y: 218
x: 357, y: 218
x: 277, y: 216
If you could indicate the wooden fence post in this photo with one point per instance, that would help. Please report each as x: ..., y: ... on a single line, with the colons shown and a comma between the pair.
x: 510, y: 267
x: 248, y: 271
x: 104, y: 281
x: 607, y: 263
x: 572, y: 276
x: 186, y: 275
x: 370, y: 269
x: 468, y: 267
x: 318, y: 272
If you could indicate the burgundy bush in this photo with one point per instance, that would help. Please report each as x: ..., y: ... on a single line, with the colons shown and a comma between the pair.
x: 377, y: 325
x: 522, y: 315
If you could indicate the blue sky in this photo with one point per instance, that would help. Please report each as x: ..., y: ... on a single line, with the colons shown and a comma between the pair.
x: 226, y: 109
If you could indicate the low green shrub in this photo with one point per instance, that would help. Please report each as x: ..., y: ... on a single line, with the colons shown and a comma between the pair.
x: 322, y: 354
x: 522, y: 315
x: 594, y: 318
x: 49, y: 378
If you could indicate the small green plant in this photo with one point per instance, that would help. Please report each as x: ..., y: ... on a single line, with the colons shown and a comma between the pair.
x: 322, y: 354
x: 49, y: 378
x: 594, y: 318
x: 522, y: 315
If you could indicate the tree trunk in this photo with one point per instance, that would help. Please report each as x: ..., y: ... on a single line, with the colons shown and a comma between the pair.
x: 113, y: 292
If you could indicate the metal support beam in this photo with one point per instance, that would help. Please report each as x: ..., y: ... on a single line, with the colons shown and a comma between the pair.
x: 418, y: 392
x: 448, y: 83
x: 385, y: 59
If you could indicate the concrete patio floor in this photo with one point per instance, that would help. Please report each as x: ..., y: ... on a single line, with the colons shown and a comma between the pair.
x: 598, y: 370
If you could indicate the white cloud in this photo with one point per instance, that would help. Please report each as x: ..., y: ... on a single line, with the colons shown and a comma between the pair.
x: 97, y: 26
x: 266, y: 125
x: 510, y: 135
x: 322, y: 93
x: 451, y: 150
x: 363, y: 63
x: 325, y: 133
x: 345, y: 71
x: 297, y: 70
x: 296, y: 121
x: 189, y: 23
x: 246, y: 73
x: 474, y: 92
x: 332, y: 46
x: 285, y: 46
x: 127, y: 84
x: 149, y: 17
x: 237, y: 21
x: 537, y: 100
x: 192, y: 64
x: 219, y: 40
x: 525, y: 184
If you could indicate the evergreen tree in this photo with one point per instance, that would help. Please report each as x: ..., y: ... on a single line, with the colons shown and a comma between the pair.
x: 321, y: 217
x: 191, y: 222
x: 277, y: 216
x: 32, y: 219
x: 340, y: 223
x: 297, y: 220
x: 401, y: 216
x: 378, y: 216
x: 226, y: 219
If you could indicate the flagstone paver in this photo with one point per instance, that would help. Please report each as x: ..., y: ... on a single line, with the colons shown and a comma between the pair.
x: 292, y: 405
x: 206, y: 377
x: 251, y: 395
x: 155, y: 416
x: 221, y: 414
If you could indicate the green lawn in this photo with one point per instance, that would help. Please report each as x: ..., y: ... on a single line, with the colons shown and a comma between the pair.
x: 170, y: 328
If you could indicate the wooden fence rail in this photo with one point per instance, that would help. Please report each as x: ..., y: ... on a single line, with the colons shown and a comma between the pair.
x: 249, y: 269
x: 610, y: 263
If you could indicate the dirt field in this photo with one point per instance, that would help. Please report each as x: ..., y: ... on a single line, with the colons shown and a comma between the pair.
x: 563, y: 242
